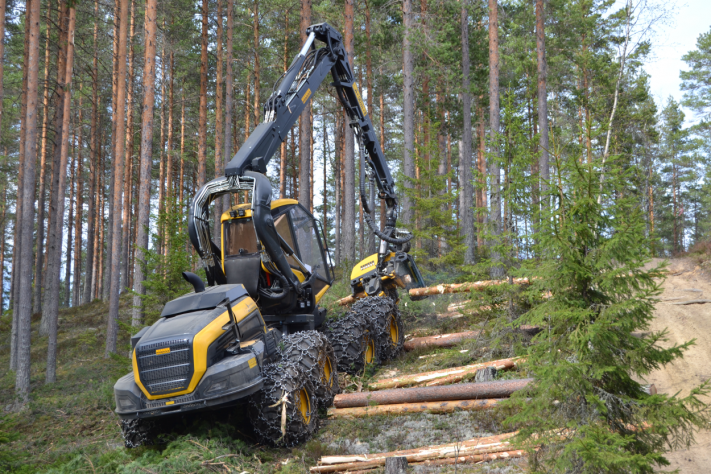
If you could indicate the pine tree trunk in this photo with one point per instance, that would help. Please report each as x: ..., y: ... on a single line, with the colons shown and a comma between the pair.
x: 466, y: 204
x: 119, y: 157
x: 144, y: 173
x: 126, y: 230
x: 182, y: 148
x: 229, y: 85
x: 202, y: 116
x: 219, y: 166
x: 169, y: 181
x: 305, y: 135
x: 54, y: 262
x: 337, y: 178
x: 543, y: 167
x: 349, y: 155
x: 70, y: 224
x: 408, y: 108
x: 78, y: 219
x: 496, y: 271
x: 369, y: 84
x: 53, y: 246
x: 27, y: 221
x: 90, y: 277
x: 257, y: 69
x: 39, y: 254
x: 162, y: 185
x: 382, y: 142
x: 2, y: 55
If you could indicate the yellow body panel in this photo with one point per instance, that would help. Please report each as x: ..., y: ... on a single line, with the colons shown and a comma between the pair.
x: 320, y: 294
x: 367, y: 265
x: 201, y: 342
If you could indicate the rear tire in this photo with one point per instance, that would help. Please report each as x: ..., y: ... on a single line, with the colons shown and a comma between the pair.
x: 315, y: 355
x: 353, y: 342
x: 385, y: 323
x: 287, y: 391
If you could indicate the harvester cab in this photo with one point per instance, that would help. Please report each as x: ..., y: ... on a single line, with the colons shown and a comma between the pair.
x: 255, y: 338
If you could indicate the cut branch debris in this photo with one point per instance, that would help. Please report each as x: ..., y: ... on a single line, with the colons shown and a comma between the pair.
x: 442, y: 377
x: 442, y: 340
x: 463, y: 287
x: 466, y: 391
x: 473, y: 450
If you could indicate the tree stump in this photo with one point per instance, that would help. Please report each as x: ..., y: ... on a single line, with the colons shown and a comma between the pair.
x: 396, y: 465
x: 487, y: 374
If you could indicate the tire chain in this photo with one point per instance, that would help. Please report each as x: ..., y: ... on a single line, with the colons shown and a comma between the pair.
x: 311, y: 350
x: 282, y: 380
x: 349, y: 337
x: 378, y: 310
x: 137, y: 432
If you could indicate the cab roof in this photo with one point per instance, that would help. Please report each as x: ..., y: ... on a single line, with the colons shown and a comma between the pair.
x: 248, y: 208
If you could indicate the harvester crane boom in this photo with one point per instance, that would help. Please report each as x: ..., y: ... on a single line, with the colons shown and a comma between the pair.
x: 283, y: 107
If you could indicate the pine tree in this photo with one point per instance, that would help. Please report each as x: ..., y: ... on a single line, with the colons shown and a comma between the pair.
x: 587, y: 407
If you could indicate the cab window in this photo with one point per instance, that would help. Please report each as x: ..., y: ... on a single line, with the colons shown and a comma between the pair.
x: 282, y: 226
x: 239, y: 237
x: 309, y: 242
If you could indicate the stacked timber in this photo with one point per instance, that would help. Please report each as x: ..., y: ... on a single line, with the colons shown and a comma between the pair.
x: 469, y: 451
x: 469, y: 397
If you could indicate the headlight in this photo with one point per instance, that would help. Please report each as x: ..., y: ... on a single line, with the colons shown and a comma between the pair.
x: 217, y: 386
x: 126, y: 403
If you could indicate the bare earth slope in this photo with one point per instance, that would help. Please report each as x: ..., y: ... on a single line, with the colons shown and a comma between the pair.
x: 685, y: 282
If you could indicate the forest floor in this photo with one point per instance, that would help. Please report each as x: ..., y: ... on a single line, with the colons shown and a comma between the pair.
x: 70, y: 425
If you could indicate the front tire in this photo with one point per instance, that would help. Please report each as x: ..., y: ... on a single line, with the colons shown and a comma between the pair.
x: 353, y: 342
x: 137, y: 432
x: 283, y: 412
x: 385, y: 322
x: 315, y: 355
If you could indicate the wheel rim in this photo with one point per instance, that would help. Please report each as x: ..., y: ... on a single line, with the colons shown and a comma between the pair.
x: 394, y: 331
x: 327, y: 371
x: 369, y: 351
x: 304, y: 405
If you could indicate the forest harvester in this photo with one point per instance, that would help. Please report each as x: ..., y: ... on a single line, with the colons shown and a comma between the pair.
x: 256, y: 337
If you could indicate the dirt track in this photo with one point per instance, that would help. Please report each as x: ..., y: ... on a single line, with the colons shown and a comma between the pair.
x: 686, y: 322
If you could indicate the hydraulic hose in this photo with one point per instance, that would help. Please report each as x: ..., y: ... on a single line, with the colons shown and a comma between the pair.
x: 264, y: 225
x: 367, y: 212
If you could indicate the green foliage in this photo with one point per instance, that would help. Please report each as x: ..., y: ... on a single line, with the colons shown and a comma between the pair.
x: 164, y: 281
x: 587, y: 405
x: 695, y: 81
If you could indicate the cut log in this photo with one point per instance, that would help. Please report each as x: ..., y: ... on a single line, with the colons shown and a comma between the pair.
x: 518, y: 453
x: 406, y: 408
x: 486, y: 441
x: 442, y: 340
x: 396, y: 465
x: 450, y: 315
x: 463, y: 287
x: 477, y: 446
x: 350, y: 299
x: 454, y: 374
x: 465, y: 391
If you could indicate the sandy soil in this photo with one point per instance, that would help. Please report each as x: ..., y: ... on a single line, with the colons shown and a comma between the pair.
x: 685, y: 282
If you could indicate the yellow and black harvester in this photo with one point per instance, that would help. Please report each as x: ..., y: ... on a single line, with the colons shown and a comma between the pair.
x: 255, y: 337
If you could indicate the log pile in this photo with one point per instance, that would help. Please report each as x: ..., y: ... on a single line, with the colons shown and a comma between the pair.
x: 469, y: 451
x: 465, y: 391
x: 442, y: 377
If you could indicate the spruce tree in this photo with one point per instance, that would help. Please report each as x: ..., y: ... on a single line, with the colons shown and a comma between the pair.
x: 588, y: 410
